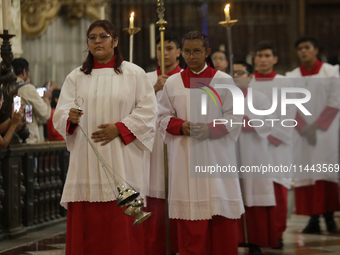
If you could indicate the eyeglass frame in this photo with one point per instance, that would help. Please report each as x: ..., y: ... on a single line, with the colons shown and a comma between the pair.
x: 194, y: 54
x: 244, y: 72
x: 98, y: 36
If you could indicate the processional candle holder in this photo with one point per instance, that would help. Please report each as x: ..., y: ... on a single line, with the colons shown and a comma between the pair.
x: 227, y: 23
x: 132, y: 31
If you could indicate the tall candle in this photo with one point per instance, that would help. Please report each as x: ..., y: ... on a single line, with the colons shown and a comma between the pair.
x: 227, y: 13
x: 5, y: 12
x: 102, y: 12
x: 131, y: 19
x: 152, y: 41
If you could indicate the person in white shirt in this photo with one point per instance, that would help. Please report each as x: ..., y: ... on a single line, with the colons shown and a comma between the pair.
x: 316, y: 146
x: 41, y: 107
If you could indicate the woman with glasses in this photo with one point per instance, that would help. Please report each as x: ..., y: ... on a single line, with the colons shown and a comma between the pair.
x: 119, y: 115
x: 206, y: 204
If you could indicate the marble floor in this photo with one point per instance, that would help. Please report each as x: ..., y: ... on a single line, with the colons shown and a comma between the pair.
x: 294, y: 241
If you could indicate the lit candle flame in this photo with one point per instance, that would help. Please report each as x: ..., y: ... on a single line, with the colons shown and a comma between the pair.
x: 131, y: 19
x: 227, y: 7
x: 226, y: 12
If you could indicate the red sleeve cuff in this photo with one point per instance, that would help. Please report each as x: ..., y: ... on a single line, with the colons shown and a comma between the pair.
x: 274, y: 140
x: 126, y: 136
x: 70, y: 127
x: 218, y: 131
x: 301, y: 123
x: 246, y: 127
x: 174, y: 126
x: 326, y: 118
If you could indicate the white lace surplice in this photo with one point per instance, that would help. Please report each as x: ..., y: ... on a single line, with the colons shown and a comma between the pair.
x: 108, y: 98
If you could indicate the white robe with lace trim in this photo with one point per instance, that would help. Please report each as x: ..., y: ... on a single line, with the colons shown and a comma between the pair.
x: 257, y: 190
x: 281, y: 155
x: 108, y: 98
x: 193, y: 197
x: 324, y: 156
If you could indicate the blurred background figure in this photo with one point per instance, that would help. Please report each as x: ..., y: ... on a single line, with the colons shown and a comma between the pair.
x: 15, y: 122
x: 220, y: 61
x: 41, y: 108
x: 53, y: 134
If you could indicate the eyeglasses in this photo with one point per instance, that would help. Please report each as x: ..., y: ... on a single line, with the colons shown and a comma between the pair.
x: 241, y: 72
x: 218, y: 59
x: 195, y: 53
x: 102, y: 38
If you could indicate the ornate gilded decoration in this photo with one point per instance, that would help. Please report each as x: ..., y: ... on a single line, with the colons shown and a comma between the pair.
x: 36, y: 15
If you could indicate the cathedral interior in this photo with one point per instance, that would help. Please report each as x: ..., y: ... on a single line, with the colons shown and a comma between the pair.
x: 51, y: 35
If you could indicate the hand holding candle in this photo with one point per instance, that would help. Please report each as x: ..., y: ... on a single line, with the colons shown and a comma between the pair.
x: 131, y: 20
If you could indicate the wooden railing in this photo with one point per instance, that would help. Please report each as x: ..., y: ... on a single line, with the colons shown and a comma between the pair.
x: 32, y: 177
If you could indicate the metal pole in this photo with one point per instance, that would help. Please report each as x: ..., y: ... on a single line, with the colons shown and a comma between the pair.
x: 131, y: 48
x: 231, y: 54
x: 162, y: 23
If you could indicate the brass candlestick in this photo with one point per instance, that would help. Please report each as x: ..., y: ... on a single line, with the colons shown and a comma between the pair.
x: 228, y: 24
x: 132, y: 31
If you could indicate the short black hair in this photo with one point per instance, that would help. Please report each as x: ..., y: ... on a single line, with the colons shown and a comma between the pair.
x: 55, y: 94
x: 310, y: 39
x: 19, y: 65
x: 170, y: 37
x: 266, y: 45
x: 249, y: 67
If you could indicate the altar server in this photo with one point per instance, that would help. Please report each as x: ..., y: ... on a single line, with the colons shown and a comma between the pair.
x: 316, y: 138
x: 257, y: 189
x: 119, y: 115
x: 281, y: 138
x: 206, y: 208
x: 155, y: 239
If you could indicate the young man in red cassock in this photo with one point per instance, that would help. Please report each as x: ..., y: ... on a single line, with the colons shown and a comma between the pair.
x: 155, y: 236
x: 316, y: 138
x: 258, y: 193
x: 280, y: 139
x: 206, y: 208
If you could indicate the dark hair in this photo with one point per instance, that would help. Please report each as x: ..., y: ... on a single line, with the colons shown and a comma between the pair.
x: 110, y: 29
x: 266, y: 45
x: 197, y: 35
x: 170, y: 37
x: 310, y: 39
x: 55, y: 94
x: 249, y: 67
x: 19, y: 65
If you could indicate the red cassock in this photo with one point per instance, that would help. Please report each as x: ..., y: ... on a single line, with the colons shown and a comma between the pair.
x: 89, y: 234
x: 317, y: 192
x: 266, y: 224
x: 154, y: 227
x: 317, y: 199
